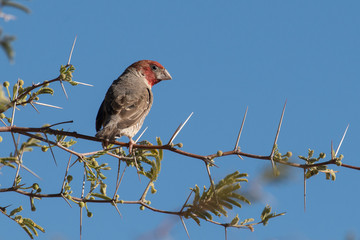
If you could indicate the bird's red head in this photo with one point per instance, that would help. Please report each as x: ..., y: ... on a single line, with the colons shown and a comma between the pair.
x: 153, y: 71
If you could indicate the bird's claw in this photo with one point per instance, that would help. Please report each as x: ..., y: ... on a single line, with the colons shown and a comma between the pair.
x: 131, y: 144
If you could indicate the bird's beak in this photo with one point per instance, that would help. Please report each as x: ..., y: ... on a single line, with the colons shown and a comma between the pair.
x: 165, y: 75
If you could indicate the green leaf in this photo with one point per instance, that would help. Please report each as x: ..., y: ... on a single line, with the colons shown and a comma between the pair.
x: 30, y: 224
x: 195, y: 218
x: 26, y: 229
x: 5, y: 43
x: 265, y: 212
x: 321, y: 167
x: 12, y: 159
x: 233, y: 202
x: 197, y: 193
x: 45, y: 90
x: 16, y: 210
x: 247, y: 221
x: 101, y: 196
x: 159, y: 142
x: 310, y: 153
x: 239, y: 197
x: 4, y: 101
x: 235, y: 220
x: 333, y: 176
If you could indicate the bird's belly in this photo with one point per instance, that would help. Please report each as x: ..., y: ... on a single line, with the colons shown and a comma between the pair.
x: 130, y: 131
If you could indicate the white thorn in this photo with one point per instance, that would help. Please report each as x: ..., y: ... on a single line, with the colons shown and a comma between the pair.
x: 179, y: 129
x: 72, y: 49
x: 85, y: 84
x: 47, y: 105
x: 342, y: 139
x: 141, y: 135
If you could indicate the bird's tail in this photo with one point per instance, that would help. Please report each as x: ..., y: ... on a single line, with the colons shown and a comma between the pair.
x: 107, y: 133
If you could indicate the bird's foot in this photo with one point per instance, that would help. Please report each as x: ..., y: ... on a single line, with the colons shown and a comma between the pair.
x: 105, y: 143
x: 131, y: 144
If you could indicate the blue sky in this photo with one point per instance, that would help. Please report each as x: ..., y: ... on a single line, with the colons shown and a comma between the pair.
x: 223, y: 57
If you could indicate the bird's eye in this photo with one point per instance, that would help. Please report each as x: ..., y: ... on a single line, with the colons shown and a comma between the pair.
x: 154, y: 67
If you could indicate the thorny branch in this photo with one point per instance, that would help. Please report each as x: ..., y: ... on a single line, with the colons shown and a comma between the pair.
x: 211, y: 201
x: 26, y: 131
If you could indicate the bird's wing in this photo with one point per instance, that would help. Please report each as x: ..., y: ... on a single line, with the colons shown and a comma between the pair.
x: 100, y: 117
x: 125, y: 109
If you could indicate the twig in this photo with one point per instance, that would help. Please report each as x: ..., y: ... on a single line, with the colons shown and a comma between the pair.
x: 142, y: 198
x: 211, y: 181
x: 36, y: 86
x: 181, y: 210
x: 18, y: 169
x: 25, y: 131
x: 66, y: 173
x: 55, y: 124
x: 52, y: 153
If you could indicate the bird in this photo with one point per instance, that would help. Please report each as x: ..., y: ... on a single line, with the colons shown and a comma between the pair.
x: 128, y: 101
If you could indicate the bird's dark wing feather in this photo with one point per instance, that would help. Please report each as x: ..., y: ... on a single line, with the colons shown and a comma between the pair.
x: 100, y: 117
x: 128, y: 109
x: 123, y: 108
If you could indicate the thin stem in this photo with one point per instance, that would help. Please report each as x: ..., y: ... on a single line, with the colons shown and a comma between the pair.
x: 66, y: 173
x: 142, y: 198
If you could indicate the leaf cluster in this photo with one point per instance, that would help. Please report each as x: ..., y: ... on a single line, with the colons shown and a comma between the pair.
x: 151, y: 157
x: 21, y: 95
x: 267, y: 214
x: 26, y: 146
x: 312, y: 171
x: 5, y: 43
x: 28, y: 225
x: 66, y: 74
x: 217, y: 198
x: 6, y: 40
x: 281, y: 157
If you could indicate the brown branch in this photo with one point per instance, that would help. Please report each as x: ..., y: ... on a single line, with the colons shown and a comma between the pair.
x: 34, y: 86
x: 205, y: 158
